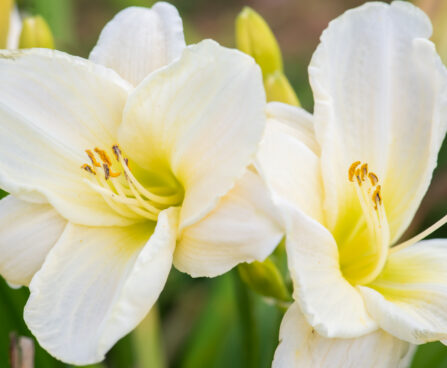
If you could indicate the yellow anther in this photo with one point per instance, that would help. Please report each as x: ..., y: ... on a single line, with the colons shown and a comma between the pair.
x: 376, y: 197
x: 108, y: 173
x: 364, y: 171
x: 104, y: 157
x: 358, y: 176
x: 352, y: 170
x: 88, y: 168
x: 373, y: 178
x: 116, y: 151
x: 92, y: 158
x: 127, y: 197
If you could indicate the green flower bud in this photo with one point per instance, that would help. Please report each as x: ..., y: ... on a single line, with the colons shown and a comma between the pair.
x: 265, y: 279
x: 254, y: 37
x: 278, y: 88
x: 5, y: 15
x: 36, y: 33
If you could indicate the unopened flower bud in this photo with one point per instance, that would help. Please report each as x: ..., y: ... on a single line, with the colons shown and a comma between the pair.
x: 265, y: 279
x: 36, y: 33
x: 254, y: 37
x: 278, y: 88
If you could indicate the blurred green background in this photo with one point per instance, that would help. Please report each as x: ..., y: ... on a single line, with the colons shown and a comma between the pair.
x: 215, y: 322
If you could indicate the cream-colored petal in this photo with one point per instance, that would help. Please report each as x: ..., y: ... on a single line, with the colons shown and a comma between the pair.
x: 332, y: 306
x: 202, y: 117
x: 138, y: 41
x: 295, y: 121
x: 409, y: 297
x: 53, y: 106
x: 27, y: 233
x: 380, y: 94
x: 15, y: 27
x: 242, y: 228
x: 287, y: 159
x: 97, y: 284
x: 301, y: 346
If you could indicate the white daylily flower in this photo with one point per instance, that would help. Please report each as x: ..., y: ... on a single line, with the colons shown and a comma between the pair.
x: 110, y: 183
x: 349, y: 180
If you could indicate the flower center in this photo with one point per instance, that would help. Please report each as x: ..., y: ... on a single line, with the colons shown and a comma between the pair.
x: 363, y: 254
x: 111, y: 176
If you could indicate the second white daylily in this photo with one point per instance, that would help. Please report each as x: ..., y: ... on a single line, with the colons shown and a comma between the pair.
x: 349, y: 180
x: 111, y: 182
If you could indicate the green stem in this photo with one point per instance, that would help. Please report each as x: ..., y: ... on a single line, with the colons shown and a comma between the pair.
x: 245, y: 307
x: 147, y: 341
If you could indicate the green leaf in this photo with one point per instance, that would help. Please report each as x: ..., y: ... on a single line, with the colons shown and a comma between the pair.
x: 432, y: 355
x: 205, y: 345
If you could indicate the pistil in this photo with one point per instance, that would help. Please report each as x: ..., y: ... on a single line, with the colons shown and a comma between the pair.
x: 438, y: 224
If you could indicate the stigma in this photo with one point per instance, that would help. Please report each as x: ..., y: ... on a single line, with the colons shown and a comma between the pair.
x: 109, y: 174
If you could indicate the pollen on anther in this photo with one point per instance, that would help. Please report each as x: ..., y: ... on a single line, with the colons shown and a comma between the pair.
x: 352, y: 170
x: 109, y: 173
x: 104, y: 157
x: 364, y: 171
x: 358, y: 176
x: 92, y: 158
x: 88, y: 168
x: 376, y: 197
x: 373, y: 178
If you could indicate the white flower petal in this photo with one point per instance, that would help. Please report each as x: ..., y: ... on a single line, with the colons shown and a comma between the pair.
x: 380, y: 97
x: 242, y: 228
x: 52, y: 107
x: 138, y: 41
x: 408, y: 298
x: 330, y: 303
x: 27, y: 233
x: 302, y: 346
x: 203, y: 116
x: 290, y: 168
x: 295, y: 121
x: 15, y: 27
x: 97, y: 284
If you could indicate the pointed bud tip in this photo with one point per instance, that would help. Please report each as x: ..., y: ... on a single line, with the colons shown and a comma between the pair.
x: 36, y: 33
x: 255, y: 38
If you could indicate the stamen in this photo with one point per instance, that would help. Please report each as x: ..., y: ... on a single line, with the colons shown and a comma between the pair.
x: 438, y: 224
x: 104, y: 157
x: 92, y: 158
x: 352, y: 170
x: 369, y: 195
x: 156, y: 198
x: 109, y: 173
x: 376, y: 197
x: 358, y: 176
x: 106, y: 171
x: 126, y: 195
x: 364, y: 171
x: 373, y: 178
x: 88, y: 168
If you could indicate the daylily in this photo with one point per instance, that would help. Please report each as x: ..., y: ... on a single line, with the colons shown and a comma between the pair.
x: 349, y: 180
x: 115, y: 177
